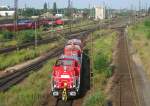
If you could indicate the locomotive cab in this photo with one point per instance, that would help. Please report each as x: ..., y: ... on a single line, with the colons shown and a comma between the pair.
x: 66, y: 75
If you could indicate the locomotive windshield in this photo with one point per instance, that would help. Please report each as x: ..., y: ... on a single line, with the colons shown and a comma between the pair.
x: 64, y: 63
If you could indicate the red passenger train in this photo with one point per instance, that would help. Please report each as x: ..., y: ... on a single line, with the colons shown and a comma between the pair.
x: 24, y: 24
x: 19, y: 26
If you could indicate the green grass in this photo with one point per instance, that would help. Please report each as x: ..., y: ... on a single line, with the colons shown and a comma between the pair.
x: 102, y: 56
x: 24, y: 55
x: 140, y: 36
x: 30, y: 92
x: 83, y: 22
x: 102, y: 71
x: 96, y: 99
x: 79, y: 27
x: 27, y: 36
x: 11, y: 38
x: 7, y: 44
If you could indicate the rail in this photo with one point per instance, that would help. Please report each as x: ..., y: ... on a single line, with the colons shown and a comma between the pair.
x: 126, y: 75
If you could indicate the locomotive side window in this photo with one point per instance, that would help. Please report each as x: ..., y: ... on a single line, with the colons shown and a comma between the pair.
x: 64, y: 62
x: 59, y: 62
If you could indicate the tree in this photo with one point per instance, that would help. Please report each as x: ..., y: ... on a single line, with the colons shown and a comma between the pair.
x: 54, y: 8
x: 45, y: 7
x: 3, y: 9
x: 149, y: 10
x: 85, y: 13
x: 30, y: 12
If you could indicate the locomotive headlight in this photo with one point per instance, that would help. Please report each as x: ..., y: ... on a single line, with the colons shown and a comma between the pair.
x: 65, y: 84
x: 74, y: 85
x: 54, y: 86
x: 55, y: 93
x: 73, y: 93
x: 54, y: 83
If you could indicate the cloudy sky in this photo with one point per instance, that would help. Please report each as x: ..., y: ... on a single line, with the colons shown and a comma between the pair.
x: 78, y: 3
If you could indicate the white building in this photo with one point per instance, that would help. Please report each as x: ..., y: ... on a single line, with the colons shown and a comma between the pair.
x: 59, y: 15
x: 100, y: 12
x: 7, y: 13
x: 6, y: 7
x: 47, y: 15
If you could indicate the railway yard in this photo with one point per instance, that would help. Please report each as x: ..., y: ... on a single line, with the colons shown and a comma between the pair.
x: 83, y: 62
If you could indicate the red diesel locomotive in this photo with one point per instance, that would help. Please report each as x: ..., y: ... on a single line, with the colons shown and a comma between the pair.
x: 66, y: 73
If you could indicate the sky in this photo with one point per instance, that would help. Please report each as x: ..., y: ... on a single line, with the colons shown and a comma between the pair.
x: 117, y: 4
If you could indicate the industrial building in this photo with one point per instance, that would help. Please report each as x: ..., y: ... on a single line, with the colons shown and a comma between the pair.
x: 100, y: 12
x: 6, y: 13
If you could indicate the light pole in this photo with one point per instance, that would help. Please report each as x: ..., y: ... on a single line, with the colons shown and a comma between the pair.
x: 92, y: 60
x: 35, y: 34
x: 69, y: 13
x: 15, y: 21
x: 16, y: 14
x: 139, y: 7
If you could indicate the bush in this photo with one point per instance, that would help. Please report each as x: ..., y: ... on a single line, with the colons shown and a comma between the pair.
x: 6, y: 35
x: 147, y: 23
x: 101, y: 65
x: 101, y: 61
x: 148, y: 35
x: 26, y: 36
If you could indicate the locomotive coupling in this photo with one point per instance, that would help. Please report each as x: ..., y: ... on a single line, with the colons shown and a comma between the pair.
x: 64, y: 94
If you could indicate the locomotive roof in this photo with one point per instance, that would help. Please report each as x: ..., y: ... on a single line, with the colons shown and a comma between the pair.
x: 75, y: 57
x: 75, y: 41
x: 73, y: 47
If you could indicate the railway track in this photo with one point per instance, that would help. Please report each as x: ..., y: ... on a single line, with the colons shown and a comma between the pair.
x: 51, y: 39
x: 131, y: 73
x: 40, y: 42
x: 13, y: 76
x: 126, y: 93
x: 17, y: 75
x: 71, y: 102
x: 62, y: 103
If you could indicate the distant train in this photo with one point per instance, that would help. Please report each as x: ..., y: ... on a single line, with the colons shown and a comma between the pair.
x: 66, y: 74
x: 24, y: 24
x: 52, y: 21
